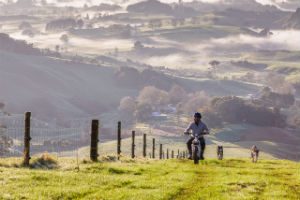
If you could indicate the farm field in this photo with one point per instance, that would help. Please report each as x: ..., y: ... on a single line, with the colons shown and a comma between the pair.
x: 145, y: 179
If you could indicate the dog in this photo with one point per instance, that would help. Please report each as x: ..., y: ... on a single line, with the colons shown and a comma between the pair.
x: 254, y: 153
x: 220, y: 152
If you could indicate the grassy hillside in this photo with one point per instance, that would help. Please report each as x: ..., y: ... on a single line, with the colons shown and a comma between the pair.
x: 172, y: 179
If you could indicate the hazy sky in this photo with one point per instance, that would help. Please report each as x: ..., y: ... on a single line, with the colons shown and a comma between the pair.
x: 80, y: 2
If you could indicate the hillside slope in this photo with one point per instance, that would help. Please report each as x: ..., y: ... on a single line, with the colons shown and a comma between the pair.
x: 292, y: 21
x: 53, y: 88
x: 172, y: 179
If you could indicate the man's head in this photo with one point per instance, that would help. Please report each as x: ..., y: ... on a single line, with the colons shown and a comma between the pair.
x: 197, y: 117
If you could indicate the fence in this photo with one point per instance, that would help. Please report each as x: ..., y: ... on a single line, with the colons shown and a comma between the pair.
x: 25, y: 136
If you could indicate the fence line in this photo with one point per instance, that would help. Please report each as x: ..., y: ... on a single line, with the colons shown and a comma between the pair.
x: 23, y: 135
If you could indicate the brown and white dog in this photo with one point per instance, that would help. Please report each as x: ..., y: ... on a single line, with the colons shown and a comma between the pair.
x: 254, y: 153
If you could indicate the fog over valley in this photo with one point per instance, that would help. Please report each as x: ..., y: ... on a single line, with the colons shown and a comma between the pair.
x: 153, y: 64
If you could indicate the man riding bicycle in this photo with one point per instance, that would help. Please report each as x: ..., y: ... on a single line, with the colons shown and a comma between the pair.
x: 198, y: 128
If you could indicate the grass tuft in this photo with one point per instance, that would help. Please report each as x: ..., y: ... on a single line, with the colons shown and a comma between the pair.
x: 46, y: 161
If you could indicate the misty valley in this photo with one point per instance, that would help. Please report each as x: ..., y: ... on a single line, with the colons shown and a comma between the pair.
x: 151, y: 65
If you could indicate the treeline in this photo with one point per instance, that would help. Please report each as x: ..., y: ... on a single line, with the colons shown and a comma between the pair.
x: 64, y: 24
x: 269, y: 109
x: 133, y: 78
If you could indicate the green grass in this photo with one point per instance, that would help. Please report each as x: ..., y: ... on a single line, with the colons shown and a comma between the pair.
x: 144, y: 179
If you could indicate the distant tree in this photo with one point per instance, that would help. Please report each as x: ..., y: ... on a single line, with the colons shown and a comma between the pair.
x: 194, y: 102
x: 57, y: 47
x: 28, y: 32
x: 177, y: 94
x: 80, y: 23
x: 143, y: 112
x: 214, y: 64
x: 64, y: 38
x: 127, y: 77
x: 249, y: 76
x: 127, y: 109
x: 127, y: 105
x: 138, y: 45
x: 116, y: 52
x: 230, y: 109
x: 153, y: 96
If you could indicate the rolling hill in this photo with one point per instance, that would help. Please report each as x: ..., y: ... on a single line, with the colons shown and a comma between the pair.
x: 51, y: 88
x: 54, y: 88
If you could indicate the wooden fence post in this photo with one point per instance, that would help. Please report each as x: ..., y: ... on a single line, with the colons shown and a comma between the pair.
x: 172, y: 154
x: 119, y: 140
x: 94, y: 140
x: 27, y: 139
x: 167, y: 153
x: 160, y: 151
x: 133, y: 145
x: 153, y: 148
x: 178, y: 154
x: 144, y: 145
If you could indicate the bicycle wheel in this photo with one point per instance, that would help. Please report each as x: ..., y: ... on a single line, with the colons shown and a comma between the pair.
x: 195, y: 155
